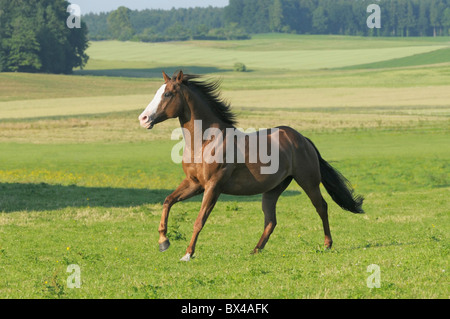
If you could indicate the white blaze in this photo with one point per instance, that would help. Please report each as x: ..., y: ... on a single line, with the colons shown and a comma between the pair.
x: 150, y: 110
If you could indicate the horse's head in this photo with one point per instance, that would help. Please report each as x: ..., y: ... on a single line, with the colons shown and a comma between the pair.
x: 167, y: 103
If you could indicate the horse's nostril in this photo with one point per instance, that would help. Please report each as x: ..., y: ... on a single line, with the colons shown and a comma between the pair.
x: 144, y: 118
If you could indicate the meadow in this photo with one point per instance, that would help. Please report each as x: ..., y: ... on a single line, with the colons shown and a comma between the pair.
x: 81, y: 183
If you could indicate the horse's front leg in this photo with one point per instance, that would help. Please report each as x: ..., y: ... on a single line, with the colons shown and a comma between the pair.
x: 209, y: 200
x: 185, y: 190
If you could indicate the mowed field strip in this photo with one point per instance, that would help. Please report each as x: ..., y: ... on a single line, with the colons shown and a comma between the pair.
x: 281, y: 98
x: 175, y: 54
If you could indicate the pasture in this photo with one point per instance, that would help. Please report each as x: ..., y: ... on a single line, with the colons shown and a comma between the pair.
x: 81, y: 183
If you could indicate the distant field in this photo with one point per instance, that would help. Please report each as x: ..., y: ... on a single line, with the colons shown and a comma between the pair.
x: 23, y: 86
x: 433, y: 57
x: 434, y: 99
x: 287, y: 52
x: 179, y: 54
x: 81, y: 183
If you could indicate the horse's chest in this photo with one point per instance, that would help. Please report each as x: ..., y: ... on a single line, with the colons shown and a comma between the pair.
x: 204, y: 173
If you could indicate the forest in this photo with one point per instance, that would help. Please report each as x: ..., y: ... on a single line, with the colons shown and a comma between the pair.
x: 345, y: 17
x: 241, y: 18
x: 163, y: 25
x: 34, y: 37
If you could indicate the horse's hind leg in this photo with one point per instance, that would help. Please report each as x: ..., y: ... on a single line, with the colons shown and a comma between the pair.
x: 269, y: 201
x: 322, y: 209
x: 321, y: 206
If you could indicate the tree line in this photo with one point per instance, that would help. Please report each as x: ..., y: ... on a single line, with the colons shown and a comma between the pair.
x: 162, y: 25
x: 344, y: 17
x: 34, y: 37
x: 244, y: 17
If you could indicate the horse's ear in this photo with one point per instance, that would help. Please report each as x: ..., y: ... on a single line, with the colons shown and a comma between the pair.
x: 180, y: 77
x: 166, y: 77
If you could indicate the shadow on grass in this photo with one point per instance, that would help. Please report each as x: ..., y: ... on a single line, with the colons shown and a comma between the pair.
x: 150, y: 72
x: 39, y: 197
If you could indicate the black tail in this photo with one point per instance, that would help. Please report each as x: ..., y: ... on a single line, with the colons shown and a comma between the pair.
x: 339, y: 188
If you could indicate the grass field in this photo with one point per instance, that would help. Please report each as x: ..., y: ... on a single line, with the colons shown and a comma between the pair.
x: 81, y: 183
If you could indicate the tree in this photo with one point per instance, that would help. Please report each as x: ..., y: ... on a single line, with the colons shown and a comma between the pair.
x: 393, y: 17
x: 35, y: 37
x: 435, y: 16
x: 233, y: 12
x: 411, y: 20
x: 335, y: 17
x: 446, y: 20
x: 319, y: 20
x: 177, y: 32
x: 276, y: 16
x: 23, y: 47
x: 423, y: 23
x: 98, y: 25
x: 62, y: 48
x: 5, y: 24
x: 402, y: 17
x: 119, y: 24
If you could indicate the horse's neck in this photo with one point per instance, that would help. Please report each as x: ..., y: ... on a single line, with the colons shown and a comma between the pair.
x: 198, y: 116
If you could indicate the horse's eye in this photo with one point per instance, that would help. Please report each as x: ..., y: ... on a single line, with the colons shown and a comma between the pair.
x: 168, y: 94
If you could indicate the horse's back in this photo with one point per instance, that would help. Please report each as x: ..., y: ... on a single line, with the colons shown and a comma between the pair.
x: 296, y: 158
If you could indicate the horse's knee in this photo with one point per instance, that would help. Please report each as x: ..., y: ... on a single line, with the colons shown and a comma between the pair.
x: 324, y: 205
x: 168, y: 202
x: 272, y: 225
x: 198, y: 226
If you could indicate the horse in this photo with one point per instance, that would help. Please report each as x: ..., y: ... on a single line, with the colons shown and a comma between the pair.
x: 193, y: 100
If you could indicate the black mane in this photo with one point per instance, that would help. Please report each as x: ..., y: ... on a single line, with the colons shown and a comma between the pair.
x: 211, y: 91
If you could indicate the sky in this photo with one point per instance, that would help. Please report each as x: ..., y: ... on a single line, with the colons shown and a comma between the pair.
x: 97, y: 6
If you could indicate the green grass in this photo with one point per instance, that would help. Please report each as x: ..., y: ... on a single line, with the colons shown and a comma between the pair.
x: 434, y: 57
x: 181, y: 54
x: 276, y: 41
x: 23, y: 86
x: 294, y: 42
x: 116, y: 251
x: 118, y: 68
x: 104, y: 218
x: 81, y: 183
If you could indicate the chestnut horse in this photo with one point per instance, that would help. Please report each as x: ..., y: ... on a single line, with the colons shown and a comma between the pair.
x: 191, y: 100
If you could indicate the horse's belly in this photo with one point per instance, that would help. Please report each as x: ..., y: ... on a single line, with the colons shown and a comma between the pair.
x: 246, y: 182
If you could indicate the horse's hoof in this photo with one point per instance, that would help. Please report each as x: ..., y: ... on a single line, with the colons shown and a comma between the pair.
x: 164, y: 245
x: 186, y: 257
x: 256, y: 251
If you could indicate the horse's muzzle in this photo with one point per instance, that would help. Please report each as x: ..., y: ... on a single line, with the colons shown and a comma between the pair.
x: 146, y: 122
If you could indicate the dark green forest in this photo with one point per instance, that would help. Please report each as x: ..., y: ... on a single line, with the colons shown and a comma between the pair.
x: 344, y: 17
x: 163, y: 25
x: 402, y: 18
x: 34, y: 37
